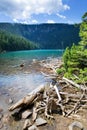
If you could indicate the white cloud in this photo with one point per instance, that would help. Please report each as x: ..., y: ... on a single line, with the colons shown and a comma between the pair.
x: 15, y: 20
x: 70, y: 22
x: 61, y: 16
x: 34, y: 21
x: 24, y: 9
x: 50, y: 21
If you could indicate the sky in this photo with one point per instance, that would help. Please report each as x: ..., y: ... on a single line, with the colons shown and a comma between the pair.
x: 42, y: 11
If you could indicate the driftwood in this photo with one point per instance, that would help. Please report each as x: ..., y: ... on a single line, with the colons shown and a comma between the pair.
x: 58, y: 94
x: 51, y: 64
x: 74, y: 84
x: 76, y: 105
x: 28, y: 99
x: 46, y: 100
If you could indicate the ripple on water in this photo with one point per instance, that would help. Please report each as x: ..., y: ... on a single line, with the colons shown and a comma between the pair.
x: 21, y: 84
x: 12, y: 77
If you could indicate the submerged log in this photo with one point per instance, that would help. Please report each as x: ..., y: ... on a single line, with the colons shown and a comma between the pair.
x: 27, y: 100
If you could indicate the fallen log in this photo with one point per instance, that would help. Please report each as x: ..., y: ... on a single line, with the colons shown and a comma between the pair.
x: 58, y: 94
x: 27, y: 100
x: 74, y: 84
x: 76, y: 105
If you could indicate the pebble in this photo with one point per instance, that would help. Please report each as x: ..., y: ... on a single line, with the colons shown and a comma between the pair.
x: 10, y: 101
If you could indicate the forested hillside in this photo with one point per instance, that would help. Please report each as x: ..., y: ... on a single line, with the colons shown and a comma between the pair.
x: 48, y: 36
x: 10, y: 42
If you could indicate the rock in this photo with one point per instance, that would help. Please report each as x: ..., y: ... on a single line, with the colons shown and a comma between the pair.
x: 10, y: 101
x: 26, y: 113
x: 33, y: 127
x: 21, y: 65
x: 27, y: 123
x: 6, y: 127
x: 1, y: 115
x: 1, y: 125
x: 1, y: 110
x: 34, y: 60
x: 6, y: 119
x: 76, y: 126
x: 40, y: 121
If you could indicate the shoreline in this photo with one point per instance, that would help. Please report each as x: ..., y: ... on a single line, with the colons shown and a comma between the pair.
x: 6, y: 97
x: 59, y: 120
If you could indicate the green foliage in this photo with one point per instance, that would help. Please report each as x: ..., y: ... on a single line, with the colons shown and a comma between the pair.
x: 75, y: 58
x: 9, y: 42
x: 83, y: 31
x: 60, y: 70
x: 66, y: 57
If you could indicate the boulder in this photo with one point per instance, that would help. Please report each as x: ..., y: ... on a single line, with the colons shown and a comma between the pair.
x: 40, y: 121
x: 76, y: 126
x: 1, y: 110
x: 26, y: 114
x: 33, y: 127
x: 1, y: 125
x: 1, y: 115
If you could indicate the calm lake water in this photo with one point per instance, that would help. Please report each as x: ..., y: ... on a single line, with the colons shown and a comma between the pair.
x: 17, y: 80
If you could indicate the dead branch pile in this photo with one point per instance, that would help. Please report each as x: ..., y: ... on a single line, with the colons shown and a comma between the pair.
x: 52, y: 64
x: 44, y: 101
x: 47, y: 100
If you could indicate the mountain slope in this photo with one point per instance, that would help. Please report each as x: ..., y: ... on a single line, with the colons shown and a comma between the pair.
x: 10, y: 42
x: 48, y: 36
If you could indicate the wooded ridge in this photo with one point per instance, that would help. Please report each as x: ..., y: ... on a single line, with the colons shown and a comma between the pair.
x: 47, y: 36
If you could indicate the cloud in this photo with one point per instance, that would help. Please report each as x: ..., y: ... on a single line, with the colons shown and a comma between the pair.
x: 61, y: 16
x: 21, y: 10
x: 34, y: 21
x: 70, y: 22
x: 50, y: 21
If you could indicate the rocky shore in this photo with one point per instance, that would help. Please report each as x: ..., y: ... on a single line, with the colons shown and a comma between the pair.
x: 68, y: 113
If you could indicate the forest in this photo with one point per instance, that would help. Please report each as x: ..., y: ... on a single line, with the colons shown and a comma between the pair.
x: 47, y: 36
x: 75, y: 57
x: 10, y: 42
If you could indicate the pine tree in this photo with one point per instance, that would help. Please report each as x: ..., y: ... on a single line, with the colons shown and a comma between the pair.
x: 75, y: 58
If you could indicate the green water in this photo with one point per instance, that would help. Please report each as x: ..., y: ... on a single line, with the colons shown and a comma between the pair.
x: 23, y: 80
x: 31, y: 54
x: 10, y: 60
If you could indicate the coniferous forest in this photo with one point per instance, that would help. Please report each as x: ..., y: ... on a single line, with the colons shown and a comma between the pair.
x: 10, y: 42
x: 75, y: 58
x: 46, y: 36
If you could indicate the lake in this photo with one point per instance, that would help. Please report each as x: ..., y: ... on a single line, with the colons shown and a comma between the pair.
x: 18, y: 81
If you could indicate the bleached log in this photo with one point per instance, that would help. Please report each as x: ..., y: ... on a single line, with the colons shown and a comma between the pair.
x: 27, y: 100
x: 57, y: 92
x: 73, y: 83
x: 49, y: 76
x: 76, y: 105
x: 34, y: 116
x: 47, y: 108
